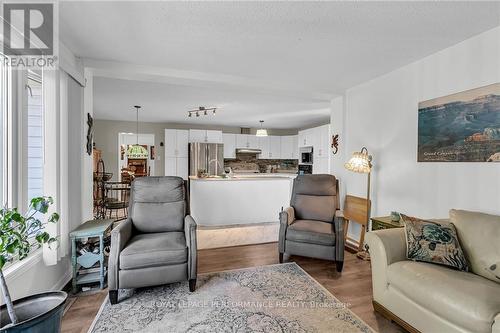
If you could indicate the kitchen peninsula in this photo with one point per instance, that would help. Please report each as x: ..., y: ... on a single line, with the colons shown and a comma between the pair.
x: 239, y: 210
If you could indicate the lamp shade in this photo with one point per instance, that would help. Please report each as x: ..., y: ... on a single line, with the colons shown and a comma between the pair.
x: 138, y: 152
x: 360, y: 162
x: 261, y: 132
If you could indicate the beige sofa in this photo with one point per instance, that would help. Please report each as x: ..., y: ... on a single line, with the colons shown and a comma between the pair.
x: 432, y: 298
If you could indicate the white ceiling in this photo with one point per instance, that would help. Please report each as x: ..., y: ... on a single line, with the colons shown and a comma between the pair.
x: 114, y: 99
x: 320, y: 47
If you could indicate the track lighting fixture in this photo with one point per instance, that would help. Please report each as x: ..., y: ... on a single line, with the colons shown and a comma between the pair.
x: 201, y: 110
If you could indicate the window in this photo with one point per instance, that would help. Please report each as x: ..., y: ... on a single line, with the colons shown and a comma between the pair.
x: 35, y: 139
x: 5, y: 77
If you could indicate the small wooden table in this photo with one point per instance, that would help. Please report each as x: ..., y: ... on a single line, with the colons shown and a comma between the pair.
x: 92, y: 228
x: 384, y: 222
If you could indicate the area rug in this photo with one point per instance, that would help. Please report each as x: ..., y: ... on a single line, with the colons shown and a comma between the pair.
x: 275, y: 298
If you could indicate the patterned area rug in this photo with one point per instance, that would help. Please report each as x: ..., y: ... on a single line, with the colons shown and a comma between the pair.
x: 275, y: 298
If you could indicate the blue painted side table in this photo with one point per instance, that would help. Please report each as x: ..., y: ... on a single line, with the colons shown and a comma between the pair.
x: 89, y: 229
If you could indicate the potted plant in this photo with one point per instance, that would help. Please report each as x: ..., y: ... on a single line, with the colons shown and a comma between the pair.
x: 19, y: 234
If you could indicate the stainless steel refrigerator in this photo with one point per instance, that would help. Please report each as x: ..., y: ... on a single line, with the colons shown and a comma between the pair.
x: 206, y: 156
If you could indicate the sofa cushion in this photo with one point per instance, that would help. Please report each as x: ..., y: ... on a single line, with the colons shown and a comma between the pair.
x: 315, y: 197
x: 433, y: 242
x: 313, y: 232
x: 158, y: 216
x: 158, y: 204
x: 150, y: 250
x: 479, y: 235
x: 465, y: 299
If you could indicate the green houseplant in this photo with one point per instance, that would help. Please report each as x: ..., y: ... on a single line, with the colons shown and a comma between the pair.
x: 19, y: 235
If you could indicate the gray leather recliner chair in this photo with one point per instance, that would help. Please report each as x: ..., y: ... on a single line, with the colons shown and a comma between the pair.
x: 312, y: 226
x: 157, y: 243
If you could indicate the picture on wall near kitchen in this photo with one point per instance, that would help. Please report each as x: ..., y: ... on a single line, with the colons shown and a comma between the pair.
x: 463, y: 127
x: 152, y: 152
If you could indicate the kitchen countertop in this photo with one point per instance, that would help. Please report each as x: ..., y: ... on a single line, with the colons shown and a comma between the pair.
x: 251, y: 176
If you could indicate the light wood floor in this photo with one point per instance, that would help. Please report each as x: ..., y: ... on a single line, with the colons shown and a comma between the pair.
x: 352, y: 286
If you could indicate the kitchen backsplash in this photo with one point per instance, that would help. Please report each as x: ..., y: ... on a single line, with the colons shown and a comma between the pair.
x: 250, y: 163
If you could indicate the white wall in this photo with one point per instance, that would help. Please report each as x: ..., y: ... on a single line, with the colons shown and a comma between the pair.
x: 382, y: 115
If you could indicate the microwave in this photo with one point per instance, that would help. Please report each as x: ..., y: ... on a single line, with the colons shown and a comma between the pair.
x: 306, y: 155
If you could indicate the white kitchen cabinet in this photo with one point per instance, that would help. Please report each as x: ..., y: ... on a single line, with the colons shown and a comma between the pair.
x: 264, y: 147
x: 229, y: 141
x: 307, y: 138
x: 270, y: 147
x: 182, y: 169
x: 177, y: 166
x: 214, y: 136
x: 176, y: 152
x: 170, y: 166
x: 253, y: 141
x: 196, y: 135
x: 320, y: 165
x: 247, y: 141
x: 210, y: 136
x: 170, y: 143
x: 321, y: 145
x: 176, y: 143
x: 295, y: 154
x: 288, y: 147
x: 274, y: 147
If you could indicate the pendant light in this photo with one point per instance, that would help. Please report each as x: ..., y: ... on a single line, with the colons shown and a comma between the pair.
x: 137, y: 151
x: 261, y: 131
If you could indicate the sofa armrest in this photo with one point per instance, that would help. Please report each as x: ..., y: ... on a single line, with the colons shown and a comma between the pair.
x: 119, y: 238
x: 339, y: 225
x: 496, y: 324
x: 190, y: 234
x: 386, y: 247
x: 287, y: 216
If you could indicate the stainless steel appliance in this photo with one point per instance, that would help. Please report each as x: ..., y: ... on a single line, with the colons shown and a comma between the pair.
x: 206, y: 156
x: 306, y: 155
x: 305, y: 169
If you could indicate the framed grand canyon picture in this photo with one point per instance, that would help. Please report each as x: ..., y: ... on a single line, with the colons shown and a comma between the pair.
x: 463, y: 127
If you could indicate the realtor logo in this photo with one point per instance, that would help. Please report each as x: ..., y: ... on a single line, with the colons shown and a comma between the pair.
x: 28, y: 33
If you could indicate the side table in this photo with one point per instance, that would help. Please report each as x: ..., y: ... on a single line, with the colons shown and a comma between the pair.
x: 384, y: 222
x: 92, y: 228
x: 379, y: 223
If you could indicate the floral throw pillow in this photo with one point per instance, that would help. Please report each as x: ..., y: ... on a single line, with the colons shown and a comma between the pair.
x: 432, y: 242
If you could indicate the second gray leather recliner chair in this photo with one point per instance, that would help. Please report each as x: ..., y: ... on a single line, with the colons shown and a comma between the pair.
x: 312, y: 225
x: 157, y: 243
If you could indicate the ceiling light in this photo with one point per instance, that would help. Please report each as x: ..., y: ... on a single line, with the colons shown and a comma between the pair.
x: 201, y: 110
x: 137, y: 151
x: 261, y: 131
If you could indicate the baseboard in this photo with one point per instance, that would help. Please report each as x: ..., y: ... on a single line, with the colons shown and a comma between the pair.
x: 392, y: 317
x: 63, y: 281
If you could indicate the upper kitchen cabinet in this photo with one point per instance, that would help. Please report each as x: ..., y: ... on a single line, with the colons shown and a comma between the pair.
x: 176, y: 143
x: 322, y: 143
x: 270, y: 147
x: 318, y: 138
x: 229, y: 145
x: 207, y: 136
x: 289, y: 147
x: 264, y: 147
x: 247, y: 141
x: 308, y: 137
x: 214, y: 136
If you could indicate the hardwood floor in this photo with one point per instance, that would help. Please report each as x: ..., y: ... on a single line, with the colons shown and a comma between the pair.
x: 353, y: 286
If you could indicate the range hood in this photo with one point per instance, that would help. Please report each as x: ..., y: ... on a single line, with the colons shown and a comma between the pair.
x: 248, y: 151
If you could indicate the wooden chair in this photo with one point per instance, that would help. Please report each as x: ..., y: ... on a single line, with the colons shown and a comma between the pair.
x: 357, y: 210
